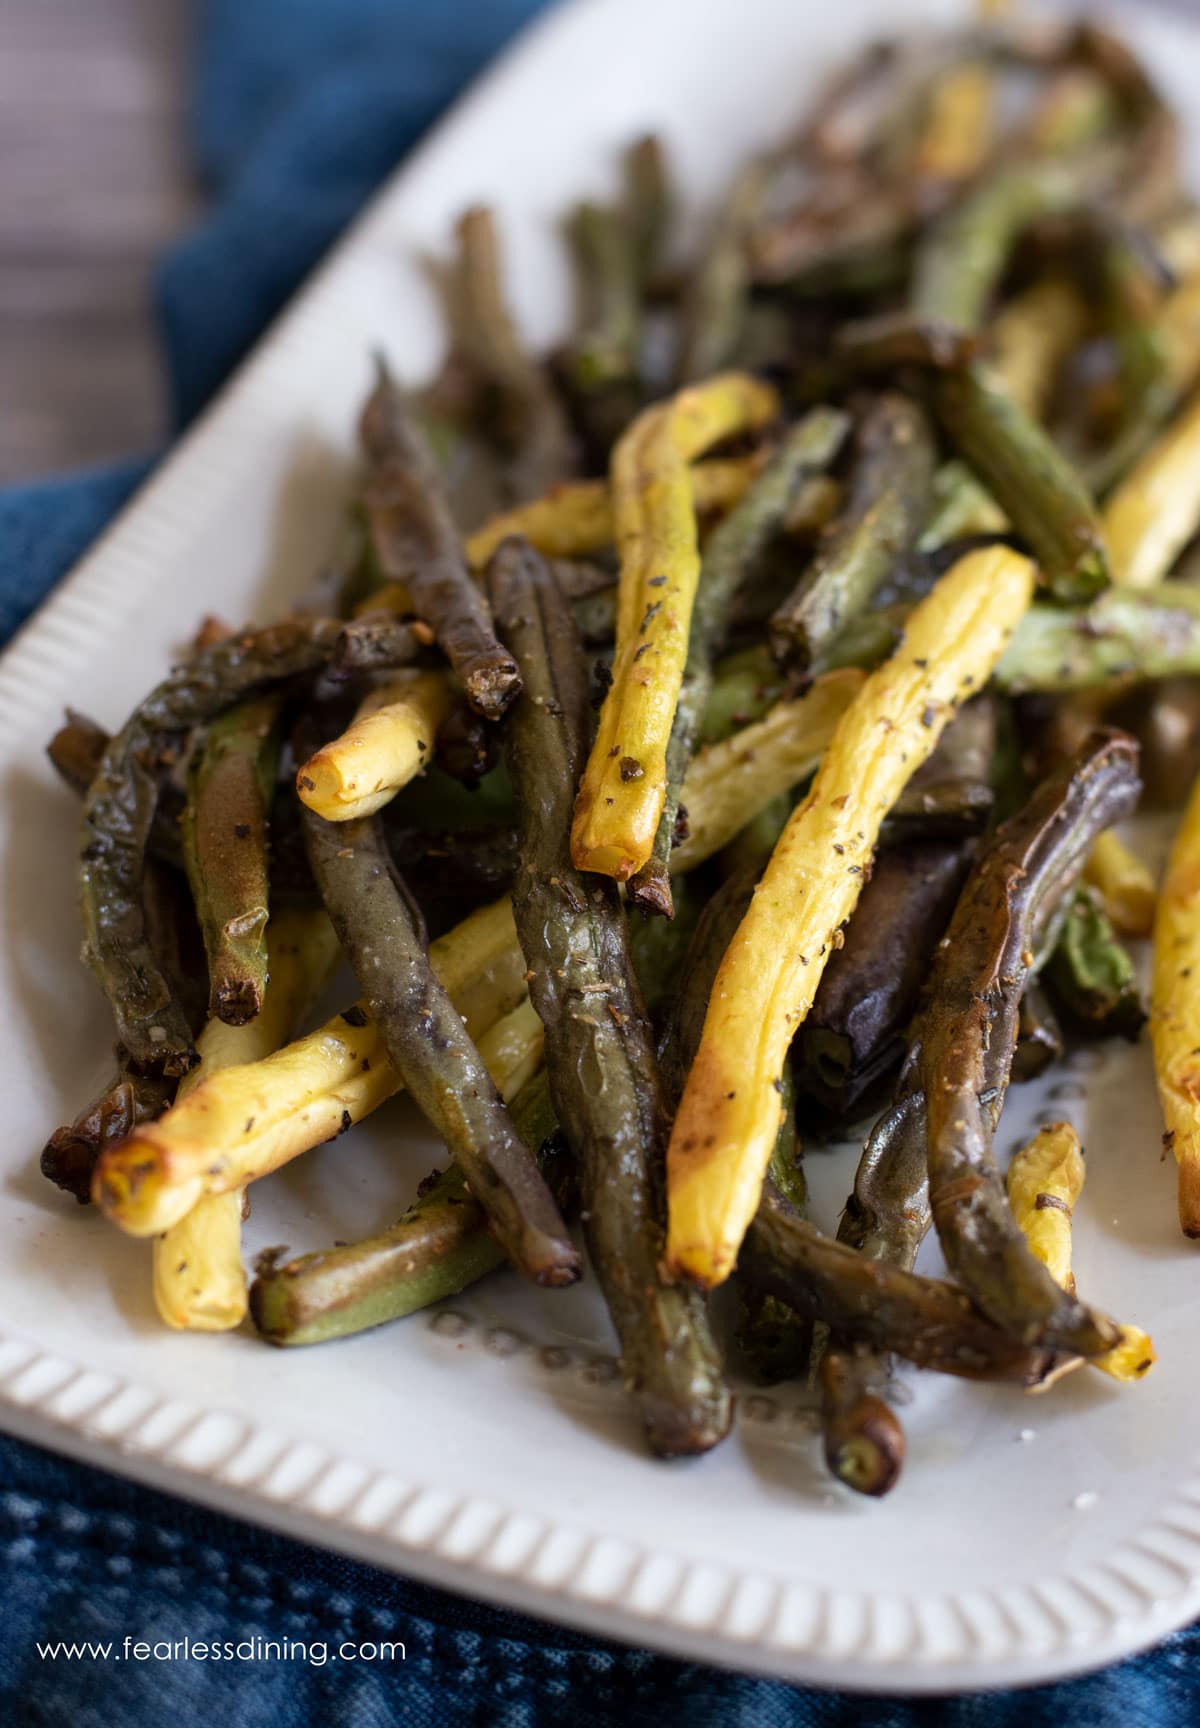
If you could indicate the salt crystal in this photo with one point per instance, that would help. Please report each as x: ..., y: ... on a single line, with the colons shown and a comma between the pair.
x: 1082, y: 1501
x: 1027, y: 1434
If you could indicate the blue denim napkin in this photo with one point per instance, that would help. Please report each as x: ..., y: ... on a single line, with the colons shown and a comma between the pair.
x: 301, y: 107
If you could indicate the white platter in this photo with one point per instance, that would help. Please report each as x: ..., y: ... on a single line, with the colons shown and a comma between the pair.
x: 487, y: 1447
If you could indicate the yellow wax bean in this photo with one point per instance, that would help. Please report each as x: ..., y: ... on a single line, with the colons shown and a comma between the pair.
x: 624, y: 785
x: 730, y: 1111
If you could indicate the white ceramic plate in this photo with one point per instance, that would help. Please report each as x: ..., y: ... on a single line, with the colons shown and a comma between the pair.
x: 487, y: 1446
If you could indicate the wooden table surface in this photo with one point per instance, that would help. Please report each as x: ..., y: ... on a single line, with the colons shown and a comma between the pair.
x: 93, y: 184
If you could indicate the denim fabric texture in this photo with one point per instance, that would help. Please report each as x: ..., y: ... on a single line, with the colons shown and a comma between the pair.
x: 300, y: 108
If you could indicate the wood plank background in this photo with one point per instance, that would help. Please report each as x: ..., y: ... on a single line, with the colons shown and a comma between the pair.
x: 93, y: 184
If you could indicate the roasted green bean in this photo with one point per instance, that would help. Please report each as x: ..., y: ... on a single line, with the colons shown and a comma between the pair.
x: 1027, y: 476
x: 441, y: 1245
x: 1039, y: 1035
x: 649, y: 205
x: 772, y: 1338
x: 888, y: 502
x: 744, y: 685
x: 604, y: 351
x: 416, y: 542
x: 377, y: 641
x: 863, y: 1437
x: 225, y: 848
x: 960, y: 263
x: 604, y: 1079
x: 854, y: 1034
x: 524, y: 415
x: 714, y: 309
x: 1152, y: 633
x: 429, y: 1047
x: 70, y: 1155
x: 76, y: 750
x: 601, y: 365
x: 924, y: 1320
x: 119, y: 812
x: 1091, y: 975
x: 970, y: 1021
